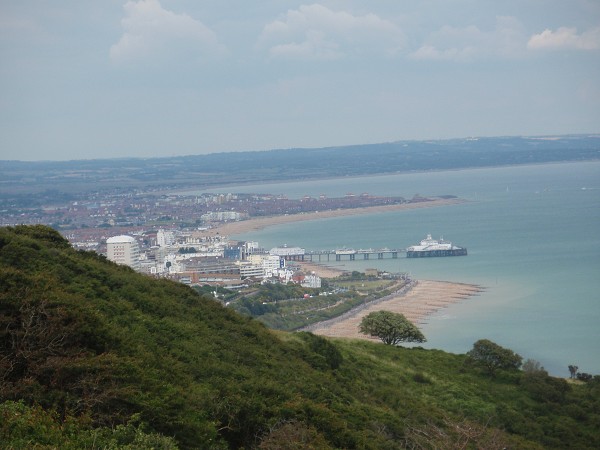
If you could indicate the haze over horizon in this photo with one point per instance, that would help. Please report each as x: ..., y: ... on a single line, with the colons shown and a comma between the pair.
x: 152, y: 78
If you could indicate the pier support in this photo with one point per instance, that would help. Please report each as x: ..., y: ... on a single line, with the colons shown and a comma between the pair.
x: 366, y: 255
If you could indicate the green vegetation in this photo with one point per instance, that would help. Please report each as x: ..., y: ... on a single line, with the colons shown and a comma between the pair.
x: 296, y: 307
x: 391, y: 328
x: 290, y: 307
x: 28, y: 427
x: 364, y: 287
x: 363, y: 283
x: 94, y: 355
x: 492, y: 357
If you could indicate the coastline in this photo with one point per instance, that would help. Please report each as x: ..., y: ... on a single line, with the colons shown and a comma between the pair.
x: 420, y: 300
x: 416, y: 301
x: 259, y: 223
x: 516, y: 287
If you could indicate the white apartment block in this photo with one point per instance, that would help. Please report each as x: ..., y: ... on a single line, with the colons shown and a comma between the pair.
x: 311, y: 281
x: 221, y: 216
x: 123, y: 250
x: 165, y: 238
x: 249, y: 269
x: 271, y: 265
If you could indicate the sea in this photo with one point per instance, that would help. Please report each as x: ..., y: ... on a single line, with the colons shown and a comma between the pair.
x: 533, y: 239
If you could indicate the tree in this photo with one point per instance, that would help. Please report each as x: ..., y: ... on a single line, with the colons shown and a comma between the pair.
x: 493, y: 357
x: 531, y: 366
x: 573, y: 370
x: 391, y: 328
x: 584, y: 376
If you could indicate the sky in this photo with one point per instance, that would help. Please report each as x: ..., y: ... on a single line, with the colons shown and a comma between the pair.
x: 84, y: 79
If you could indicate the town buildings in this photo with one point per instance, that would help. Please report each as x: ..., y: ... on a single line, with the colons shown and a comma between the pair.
x: 123, y: 250
x: 193, y: 257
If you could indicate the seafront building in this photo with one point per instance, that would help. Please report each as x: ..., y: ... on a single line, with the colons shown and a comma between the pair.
x: 222, y: 216
x: 123, y: 250
x: 272, y: 264
x: 165, y: 238
x: 249, y: 269
x: 311, y: 281
x: 212, y: 261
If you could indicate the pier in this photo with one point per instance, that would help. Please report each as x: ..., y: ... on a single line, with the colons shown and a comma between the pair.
x: 350, y: 254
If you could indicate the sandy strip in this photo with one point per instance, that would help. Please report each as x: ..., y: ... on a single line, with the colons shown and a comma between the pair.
x: 423, y: 299
x: 245, y: 226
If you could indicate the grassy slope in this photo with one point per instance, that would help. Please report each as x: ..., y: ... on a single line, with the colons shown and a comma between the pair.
x: 96, y: 345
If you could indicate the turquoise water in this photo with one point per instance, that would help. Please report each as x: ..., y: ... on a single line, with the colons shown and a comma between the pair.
x: 533, y: 235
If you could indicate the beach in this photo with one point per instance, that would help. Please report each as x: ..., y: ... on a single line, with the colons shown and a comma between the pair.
x: 416, y: 302
x: 259, y: 223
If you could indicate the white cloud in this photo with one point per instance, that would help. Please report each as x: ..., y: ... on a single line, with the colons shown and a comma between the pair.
x: 565, y: 39
x: 150, y: 31
x: 317, y: 32
x: 315, y: 46
x: 449, y: 54
x: 468, y: 43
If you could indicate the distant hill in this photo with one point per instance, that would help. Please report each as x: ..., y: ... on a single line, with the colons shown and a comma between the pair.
x: 94, y: 355
x: 220, y: 169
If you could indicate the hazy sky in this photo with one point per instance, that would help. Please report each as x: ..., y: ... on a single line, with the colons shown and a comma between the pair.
x: 95, y: 79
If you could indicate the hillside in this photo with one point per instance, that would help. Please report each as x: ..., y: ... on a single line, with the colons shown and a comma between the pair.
x: 94, y: 355
x: 58, y: 179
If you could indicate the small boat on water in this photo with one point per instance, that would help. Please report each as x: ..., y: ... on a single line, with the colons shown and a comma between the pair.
x: 430, y: 247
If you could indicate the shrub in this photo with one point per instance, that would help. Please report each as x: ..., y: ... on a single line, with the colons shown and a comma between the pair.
x: 492, y: 357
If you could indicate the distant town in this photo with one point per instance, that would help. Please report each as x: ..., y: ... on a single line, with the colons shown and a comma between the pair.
x: 158, y: 214
x: 173, y: 235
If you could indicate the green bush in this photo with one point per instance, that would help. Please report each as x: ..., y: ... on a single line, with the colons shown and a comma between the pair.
x: 493, y: 357
x: 24, y: 427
